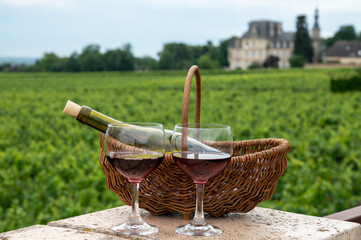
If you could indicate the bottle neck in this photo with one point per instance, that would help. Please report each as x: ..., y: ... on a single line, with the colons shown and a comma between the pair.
x: 94, y: 119
x: 84, y: 114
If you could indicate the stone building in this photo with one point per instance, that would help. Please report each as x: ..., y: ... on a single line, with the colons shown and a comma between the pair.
x: 265, y: 39
x: 345, y: 52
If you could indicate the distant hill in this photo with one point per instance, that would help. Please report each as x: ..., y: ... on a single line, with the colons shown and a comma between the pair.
x: 18, y: 60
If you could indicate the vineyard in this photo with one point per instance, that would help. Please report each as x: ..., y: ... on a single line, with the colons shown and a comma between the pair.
x: 49, y: 162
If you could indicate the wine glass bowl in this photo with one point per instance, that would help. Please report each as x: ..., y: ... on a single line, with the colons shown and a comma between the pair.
x: 201, y: 151
x: 135, y: 150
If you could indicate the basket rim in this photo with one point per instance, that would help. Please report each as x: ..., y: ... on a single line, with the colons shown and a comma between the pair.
x: 280, y: 146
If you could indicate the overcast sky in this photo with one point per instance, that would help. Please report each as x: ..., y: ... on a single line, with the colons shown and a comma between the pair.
x: 29, y: 28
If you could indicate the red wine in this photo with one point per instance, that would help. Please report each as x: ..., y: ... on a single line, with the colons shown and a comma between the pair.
x: 135, y: 166
x: 201, y: 166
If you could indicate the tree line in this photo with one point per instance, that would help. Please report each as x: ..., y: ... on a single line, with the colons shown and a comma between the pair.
x: 172, y: 56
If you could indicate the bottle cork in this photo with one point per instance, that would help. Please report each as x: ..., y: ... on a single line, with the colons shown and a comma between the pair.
x: 72, y: 109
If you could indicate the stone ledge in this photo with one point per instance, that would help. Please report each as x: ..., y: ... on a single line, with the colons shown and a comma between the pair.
x: 260, y: 223
x: 38, y: 232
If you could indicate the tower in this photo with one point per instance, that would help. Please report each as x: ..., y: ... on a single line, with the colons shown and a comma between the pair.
x: 316, y: 40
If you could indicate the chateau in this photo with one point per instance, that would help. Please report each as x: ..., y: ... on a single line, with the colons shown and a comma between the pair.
x: 266, y: 39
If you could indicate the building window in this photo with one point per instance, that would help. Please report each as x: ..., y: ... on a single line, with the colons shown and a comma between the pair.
x: 245, y: 64
x: 260, y: 53
x: 278, y: 44
x: 284, y: 54
x: 246, y: 45
x: 253, y: 53
x: 254, y: 43
x: 283, y: 64
x: 260, y: 44
x: 291, y: 44
x: 238, y: 54
x: 238, y: 64
x: 246, y: 53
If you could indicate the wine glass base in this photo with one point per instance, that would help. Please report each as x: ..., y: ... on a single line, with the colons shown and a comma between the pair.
x: 139, y: 228
x: 198, y: 230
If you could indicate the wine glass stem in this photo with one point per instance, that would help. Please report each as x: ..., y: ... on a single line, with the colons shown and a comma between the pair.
x: 135, y: 216
x: 199, y: 215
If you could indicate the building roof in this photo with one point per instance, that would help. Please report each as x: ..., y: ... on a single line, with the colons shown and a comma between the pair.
x: 345, y: 49
x: 286, y: 36
x: 263, y: 29
x: 260, y: 28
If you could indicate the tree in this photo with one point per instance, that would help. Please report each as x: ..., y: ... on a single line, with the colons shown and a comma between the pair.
x: 303, y: 45
x: 181, y: 56
x: 91, y: 59
x: 119, y: 59
x: 128, y: 58
x: 166, y: 60
x: 195, y: 52
x: 271, y: 62
x: 223, y: 51
x: 213, y: 53
x: 206, y: 62
x: 297, y: 61
x: 255, y: 65
x: 146, y: 63
x: 175, y: 56
x: 346, y: 32
x: 73, y: 63
x: 49, y: 62
x: 5, y: 67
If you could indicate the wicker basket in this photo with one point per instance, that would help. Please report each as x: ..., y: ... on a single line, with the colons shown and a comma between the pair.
x: 250, y: 177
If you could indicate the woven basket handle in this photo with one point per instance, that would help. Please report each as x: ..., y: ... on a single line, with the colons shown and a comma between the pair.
x: 187, y: 88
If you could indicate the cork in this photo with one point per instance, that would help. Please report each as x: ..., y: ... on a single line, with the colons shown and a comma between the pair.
x: 72, y: 109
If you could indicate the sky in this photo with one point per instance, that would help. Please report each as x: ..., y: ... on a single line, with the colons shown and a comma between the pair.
x: 30, y: 28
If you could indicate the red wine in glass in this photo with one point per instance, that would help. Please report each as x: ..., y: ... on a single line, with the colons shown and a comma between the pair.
x: 135, y: 150
x: 201, y: 166
x: 134, y: 165
x: 201, y: 151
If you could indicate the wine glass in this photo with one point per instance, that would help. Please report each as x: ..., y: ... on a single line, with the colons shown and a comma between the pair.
x: 201, y: 151
x: 135, y: 150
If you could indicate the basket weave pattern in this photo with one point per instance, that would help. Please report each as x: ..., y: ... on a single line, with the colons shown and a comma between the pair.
x: 250, y: 177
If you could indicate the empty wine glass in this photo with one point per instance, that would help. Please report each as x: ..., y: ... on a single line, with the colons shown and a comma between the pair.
x: 135, y: 150
x: 201, y: 151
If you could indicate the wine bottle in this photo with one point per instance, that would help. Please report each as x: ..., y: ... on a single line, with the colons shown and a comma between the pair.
x: 88, y: 116
x: 99, y: 121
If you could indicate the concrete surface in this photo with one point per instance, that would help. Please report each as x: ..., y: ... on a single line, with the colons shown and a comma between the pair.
x: 39, y: 232
x: 260, y: 223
